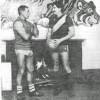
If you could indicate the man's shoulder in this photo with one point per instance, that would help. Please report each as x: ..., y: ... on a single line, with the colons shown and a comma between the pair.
x: 69, y: 21
x: 68, y: 18
x: 17, y: 21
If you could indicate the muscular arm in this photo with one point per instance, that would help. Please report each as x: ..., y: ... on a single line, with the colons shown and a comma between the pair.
x: 71, y: 33
x: 21, y: 30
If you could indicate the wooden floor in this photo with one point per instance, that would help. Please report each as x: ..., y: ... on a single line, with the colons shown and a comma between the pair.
x: 75, y: 92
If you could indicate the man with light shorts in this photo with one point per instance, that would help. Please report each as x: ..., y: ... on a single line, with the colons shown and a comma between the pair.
x: 23, y: 31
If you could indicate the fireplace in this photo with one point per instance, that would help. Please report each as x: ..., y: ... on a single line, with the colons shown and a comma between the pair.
x: 75, y: 56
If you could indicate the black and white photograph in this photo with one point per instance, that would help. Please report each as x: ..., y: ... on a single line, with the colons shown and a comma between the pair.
x: 49, y: 50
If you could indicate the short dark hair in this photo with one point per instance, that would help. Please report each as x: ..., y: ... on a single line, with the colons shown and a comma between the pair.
x: 59, y: 5
x: 21, y: 8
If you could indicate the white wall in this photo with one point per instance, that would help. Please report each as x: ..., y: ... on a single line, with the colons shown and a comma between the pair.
x: 91, y: 46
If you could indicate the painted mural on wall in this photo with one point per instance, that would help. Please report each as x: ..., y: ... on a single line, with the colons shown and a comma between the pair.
x: 81, y: 12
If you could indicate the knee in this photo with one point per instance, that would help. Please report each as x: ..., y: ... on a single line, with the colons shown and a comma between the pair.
x: 57, y: 66
x: 30, y: 69
x: 21, y: 70
x: 56, y: 63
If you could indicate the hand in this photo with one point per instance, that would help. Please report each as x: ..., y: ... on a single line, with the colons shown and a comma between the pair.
x: 34, y: 32
x: 57, y: 42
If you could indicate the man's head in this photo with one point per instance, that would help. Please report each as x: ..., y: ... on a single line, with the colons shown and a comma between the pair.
x: 24, y: 11
x: 57, y: 7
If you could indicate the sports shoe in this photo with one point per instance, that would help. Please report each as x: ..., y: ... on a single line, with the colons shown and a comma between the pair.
x: 69, y: 77
x: 57, y: 91
x: 20, y: 96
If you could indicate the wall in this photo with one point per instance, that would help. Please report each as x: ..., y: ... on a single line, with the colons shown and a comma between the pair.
x: 90, y: 47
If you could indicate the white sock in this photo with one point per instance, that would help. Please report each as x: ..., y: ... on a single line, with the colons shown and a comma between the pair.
x: 31, y: 87
x: 68, y: 70
x: 19, y: 89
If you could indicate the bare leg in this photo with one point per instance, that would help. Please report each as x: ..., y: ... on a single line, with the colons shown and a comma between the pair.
x: 55, y: 59
x: 57, y: 88
x: 30, y: 68
x: 21, y: 63
x: 65, y: 61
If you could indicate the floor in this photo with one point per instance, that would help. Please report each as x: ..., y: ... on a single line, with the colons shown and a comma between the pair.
x: 74, y: 92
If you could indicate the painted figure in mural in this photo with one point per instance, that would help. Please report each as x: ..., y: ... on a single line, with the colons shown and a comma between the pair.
x: 81, y: 12
x: 64, y: 32
x: 23, y: 31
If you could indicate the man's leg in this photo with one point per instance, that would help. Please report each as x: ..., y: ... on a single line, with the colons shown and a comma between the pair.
x: 30, y: 68
x: 21, y: 64
x: 65, y: 61
x: 67, y: 76
x: 55, y: 59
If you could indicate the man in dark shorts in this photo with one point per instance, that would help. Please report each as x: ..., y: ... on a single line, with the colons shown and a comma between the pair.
x: 23, y: 31
x: 64, y: 32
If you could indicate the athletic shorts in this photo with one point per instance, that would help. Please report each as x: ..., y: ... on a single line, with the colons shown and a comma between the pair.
x: 61, y: 48
x: 24, y: 52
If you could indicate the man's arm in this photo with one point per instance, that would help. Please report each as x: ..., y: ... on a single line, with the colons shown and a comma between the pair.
x: 71, y: 33
x: 21, y: 30
x: 36, y: 31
